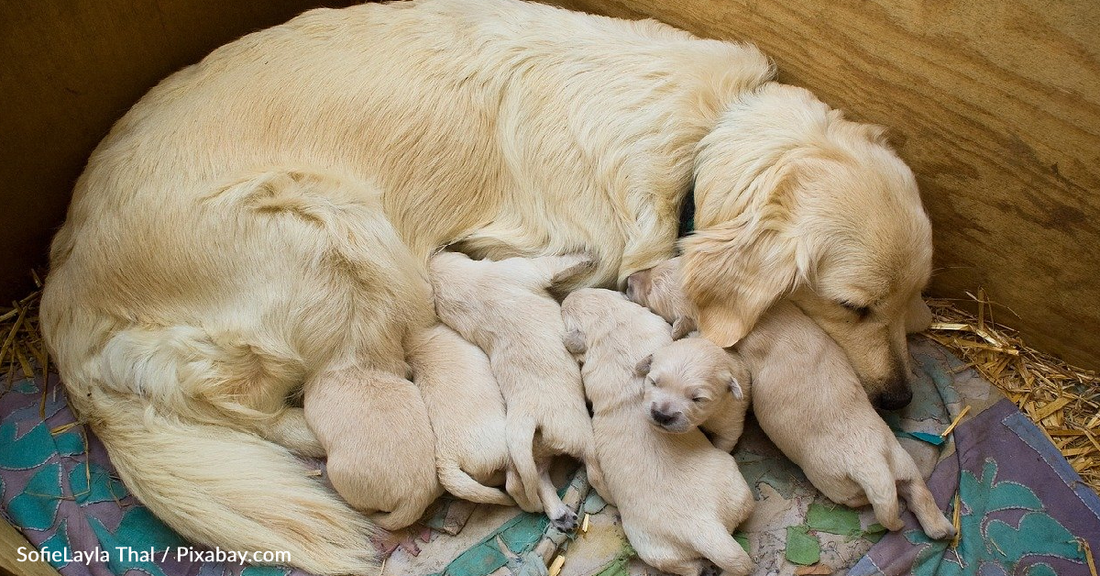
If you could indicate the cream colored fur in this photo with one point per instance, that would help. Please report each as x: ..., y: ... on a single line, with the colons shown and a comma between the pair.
x: 679, y: 497
x: 808, y: 400
x: 381, y: 449
x: 504, y: 308
x: 232, y: 234
x: 466, y: 411
x: 795, y: 201
x: 694, y: 383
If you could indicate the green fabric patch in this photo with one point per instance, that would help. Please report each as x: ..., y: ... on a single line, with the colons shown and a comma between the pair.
x: 517, y: 535
x: 139, y: 531
x: 742, y: 539
x: 70, y: 443
x: 802, y: 547
x: 59, y: 541
x: 874, y: 532
x: 834, y: 520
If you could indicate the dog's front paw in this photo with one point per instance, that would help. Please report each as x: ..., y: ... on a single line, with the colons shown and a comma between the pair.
x: 566, y: 522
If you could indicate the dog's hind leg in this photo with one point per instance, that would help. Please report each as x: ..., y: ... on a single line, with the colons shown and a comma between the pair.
x: 289, y: 430
x: 561, y: 517
x: 520, y: 432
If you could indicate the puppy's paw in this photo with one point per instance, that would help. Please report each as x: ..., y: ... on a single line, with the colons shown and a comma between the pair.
x: 574, y: 342
x: 942, y: 529
x: 566, y: 522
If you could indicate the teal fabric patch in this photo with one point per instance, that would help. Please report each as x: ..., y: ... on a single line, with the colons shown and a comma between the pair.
x: 36, y: 507
x: 139, y: 532
x: 517, y: 536
x: 103, y: 488
x: 59, y: 541
x: 29, y: 450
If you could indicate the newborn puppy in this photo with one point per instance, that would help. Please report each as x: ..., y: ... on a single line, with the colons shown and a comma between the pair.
x: 466, y: 411
x: 694, y: 383
x: 504, y: 308
x: 808, y: 399
x: 680, y: 498
x: 381, y: 450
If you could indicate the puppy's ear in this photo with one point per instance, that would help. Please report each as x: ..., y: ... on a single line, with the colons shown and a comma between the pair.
x: 735, y: 388
x: 733, y: 272
x: 683, y: 326
x: 918, y: 317
x: 643, y: 365
x: 574, y: 342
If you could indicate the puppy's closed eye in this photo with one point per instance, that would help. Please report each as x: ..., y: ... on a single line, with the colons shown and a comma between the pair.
x: 861, y: 311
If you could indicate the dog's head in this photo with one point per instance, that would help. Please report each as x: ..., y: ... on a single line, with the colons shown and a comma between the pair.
x: 686, y: 381
x: 793, y: 200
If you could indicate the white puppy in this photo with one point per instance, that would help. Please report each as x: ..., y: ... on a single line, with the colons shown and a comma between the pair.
x: 809, y: 401
x: 467, y: 413
x: 694, y: 383
x: 679, y: 497
x: 504, y: 308
x: 381, y: 452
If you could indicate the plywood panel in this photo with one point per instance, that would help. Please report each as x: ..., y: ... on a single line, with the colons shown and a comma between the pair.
x: 995, y: 104
x: 70, y: 69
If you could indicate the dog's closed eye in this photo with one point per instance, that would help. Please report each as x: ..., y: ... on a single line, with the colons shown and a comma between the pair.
x: 861, y: 311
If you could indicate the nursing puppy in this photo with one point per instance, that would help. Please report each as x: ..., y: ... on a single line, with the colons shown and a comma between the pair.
x: 694, y: 383
x: 467, y: 413
x: 808, y: 400
x: 381, y: 451
x: 680, y: 498
x: 504, y: 308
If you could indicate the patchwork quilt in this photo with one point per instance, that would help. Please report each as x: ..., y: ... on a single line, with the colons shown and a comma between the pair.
x: 1021, y: 507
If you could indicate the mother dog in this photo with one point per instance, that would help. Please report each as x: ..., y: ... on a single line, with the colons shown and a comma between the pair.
x: 266, y: 215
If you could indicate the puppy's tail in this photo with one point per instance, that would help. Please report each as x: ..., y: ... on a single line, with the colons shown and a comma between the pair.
x: 521, y: 448
x: 461, y: 484
x: 230, y: 489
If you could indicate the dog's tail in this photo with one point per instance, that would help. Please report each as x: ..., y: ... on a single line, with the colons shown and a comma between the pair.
x: 520, y: 432
x: 461, y: 484
x: 231, y: 489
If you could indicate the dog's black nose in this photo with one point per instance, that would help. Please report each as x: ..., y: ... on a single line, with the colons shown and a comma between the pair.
x: 895, y: 399
x: 660, y: 417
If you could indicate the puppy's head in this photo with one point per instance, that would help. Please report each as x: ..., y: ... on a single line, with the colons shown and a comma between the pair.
x: 793, y: 200
x: 686, y: 382
x: 658, y: 289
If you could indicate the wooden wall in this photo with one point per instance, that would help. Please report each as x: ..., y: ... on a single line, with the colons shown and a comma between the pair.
x: 70, y: 69
x: 994, y: 103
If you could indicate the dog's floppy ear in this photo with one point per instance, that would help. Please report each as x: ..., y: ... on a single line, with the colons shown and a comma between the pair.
x: 918, y: 317
x: 683, y: 326
x: 643, y: 365
x: 735, y: 388
x: 738, y: 376
x: 732, y: 273
x: 574, y: 342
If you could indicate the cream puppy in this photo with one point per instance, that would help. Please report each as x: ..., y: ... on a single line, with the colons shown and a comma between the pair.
x: 679, y: 497
x: 381, y: 453
x: 466, y: 411
x: 504, y: 308
x: 809, y: 401
x: 694, y: 383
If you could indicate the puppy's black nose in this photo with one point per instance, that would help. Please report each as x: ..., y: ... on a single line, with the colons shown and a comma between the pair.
x: 894, y: 399
x: 660, y: 417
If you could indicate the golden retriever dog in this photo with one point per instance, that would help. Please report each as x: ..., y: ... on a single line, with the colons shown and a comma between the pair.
x: 504, y: 308
x: 680, y: 498
x: 693, y: 383
x: 808, y: 400
x: 381, y: 450
x: 269, y: 212
x: 466, y: 411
